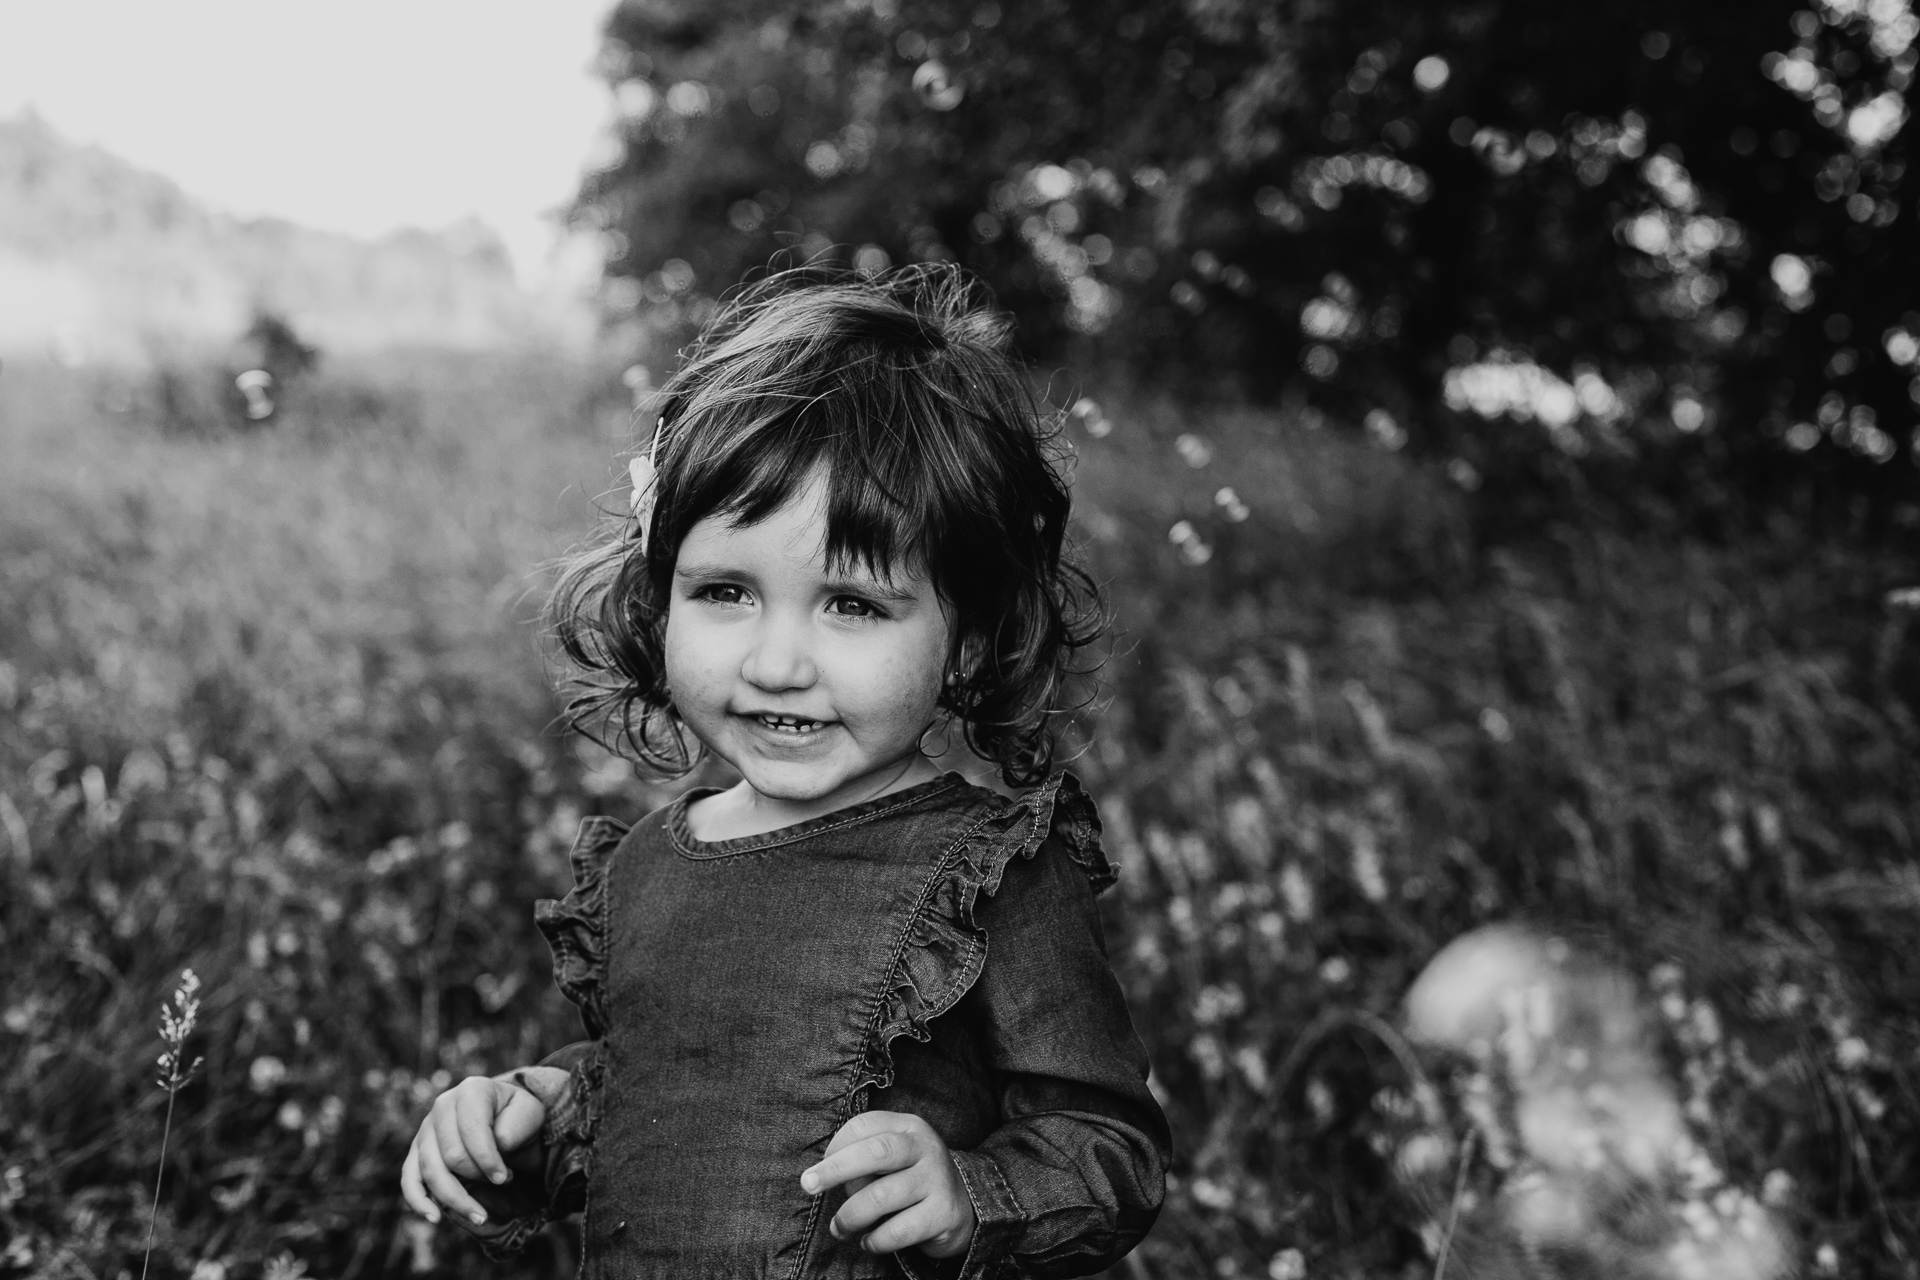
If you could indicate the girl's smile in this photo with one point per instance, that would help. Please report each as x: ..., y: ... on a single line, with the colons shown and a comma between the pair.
x: 814, y: 681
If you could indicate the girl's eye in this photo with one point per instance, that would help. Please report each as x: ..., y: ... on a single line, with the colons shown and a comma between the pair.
x: 722, y: 593
x: 853, y: 607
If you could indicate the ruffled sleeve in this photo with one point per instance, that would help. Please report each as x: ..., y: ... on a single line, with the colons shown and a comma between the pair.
x: 550, y: 1175
x: 576, y: 925
x: 1074, y: 1173
x: 944, y: 948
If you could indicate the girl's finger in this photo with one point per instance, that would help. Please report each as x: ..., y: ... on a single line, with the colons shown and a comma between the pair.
x: 443, y: 1186
x: 548, y: 1084
x: 916, y: 1224
x: 888, y: 1195
x: 880, y: 1153
x: 519, y: 1120
x: 861, y: 1126
x: 449, y: 1136
x: 410, y: 1189
x: 475, y: 1109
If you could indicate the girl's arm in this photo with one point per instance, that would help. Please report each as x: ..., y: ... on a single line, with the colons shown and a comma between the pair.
x: 545, y: 1169
x: 1074, y: 1176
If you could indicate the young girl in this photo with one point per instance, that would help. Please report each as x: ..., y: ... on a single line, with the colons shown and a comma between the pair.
x: 852, y: 1016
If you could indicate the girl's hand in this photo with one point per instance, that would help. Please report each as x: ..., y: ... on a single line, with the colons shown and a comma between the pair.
x: 895, y: 1164
x: 464, y: 1135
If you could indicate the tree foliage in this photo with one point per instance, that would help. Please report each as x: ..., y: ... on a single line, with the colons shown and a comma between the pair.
x: 1675, y: 239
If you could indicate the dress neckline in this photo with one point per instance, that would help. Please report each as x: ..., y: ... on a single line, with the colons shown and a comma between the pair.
x: 692, y: 846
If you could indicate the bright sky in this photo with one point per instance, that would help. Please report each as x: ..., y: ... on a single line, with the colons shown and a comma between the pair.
x: 350, y: 115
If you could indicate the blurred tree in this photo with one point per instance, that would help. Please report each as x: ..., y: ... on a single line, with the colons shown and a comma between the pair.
x: 1671, y: 244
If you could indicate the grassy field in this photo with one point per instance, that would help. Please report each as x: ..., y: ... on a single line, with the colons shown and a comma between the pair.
x: 273, y: 709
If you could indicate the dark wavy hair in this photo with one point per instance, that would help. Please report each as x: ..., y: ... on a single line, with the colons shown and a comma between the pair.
x: 903, y: 389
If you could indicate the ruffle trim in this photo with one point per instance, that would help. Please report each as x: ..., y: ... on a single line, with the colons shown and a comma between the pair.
x: 562, y: 1161
x: 569, y: 1135
x: 576, y: 925
x: 943, y: 949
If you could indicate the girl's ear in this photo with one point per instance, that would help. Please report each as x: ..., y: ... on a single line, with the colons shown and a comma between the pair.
x: 964, y: 660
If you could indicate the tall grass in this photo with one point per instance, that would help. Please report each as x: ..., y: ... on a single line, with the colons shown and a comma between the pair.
x: 273, y: 710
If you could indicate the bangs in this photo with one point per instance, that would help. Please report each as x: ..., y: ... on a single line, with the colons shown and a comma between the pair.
x: 874, y: 415
x: 881, y: 515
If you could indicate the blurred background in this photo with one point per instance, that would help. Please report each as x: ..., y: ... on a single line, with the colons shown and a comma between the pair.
x: 1493, y: 421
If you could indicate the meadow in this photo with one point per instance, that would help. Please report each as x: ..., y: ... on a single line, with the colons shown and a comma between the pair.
x: 273, y: 709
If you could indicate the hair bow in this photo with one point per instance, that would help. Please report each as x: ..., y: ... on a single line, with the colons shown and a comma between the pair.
x: 641, y: 471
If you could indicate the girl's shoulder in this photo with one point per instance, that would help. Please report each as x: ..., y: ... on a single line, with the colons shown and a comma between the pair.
x: 575, y: 926
x: 950, y: 940
x: 1058, y: 812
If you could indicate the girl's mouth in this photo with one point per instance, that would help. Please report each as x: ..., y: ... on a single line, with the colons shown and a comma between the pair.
x: 795, y: 726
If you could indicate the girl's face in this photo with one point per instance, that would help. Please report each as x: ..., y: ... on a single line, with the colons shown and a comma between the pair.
x: 815, y: 683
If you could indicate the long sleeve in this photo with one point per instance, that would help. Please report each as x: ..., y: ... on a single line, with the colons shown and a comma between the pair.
x: 1074, y: 1176
x: 550, y: 1173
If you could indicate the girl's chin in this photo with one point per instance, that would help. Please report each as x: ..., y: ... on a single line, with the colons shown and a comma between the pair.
x: 824, y: 782
x: 797, y: 783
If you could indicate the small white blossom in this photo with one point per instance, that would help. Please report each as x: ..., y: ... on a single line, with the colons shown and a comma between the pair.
x: 1288, y: 1264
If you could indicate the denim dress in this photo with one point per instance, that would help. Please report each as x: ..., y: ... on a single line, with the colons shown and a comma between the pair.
x: 935, y: 951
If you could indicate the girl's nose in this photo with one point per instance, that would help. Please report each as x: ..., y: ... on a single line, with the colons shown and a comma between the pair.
x: 779, y: 659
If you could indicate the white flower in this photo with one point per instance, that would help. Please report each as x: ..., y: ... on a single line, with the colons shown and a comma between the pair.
x: 266, y: 1073
x: 1288, y: 1264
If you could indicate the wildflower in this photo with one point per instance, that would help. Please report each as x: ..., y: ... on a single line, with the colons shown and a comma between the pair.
x: 1246, y: 825
x: 284, y: 1266
x: 1194, y: 451
x: 1297, y: 892
x: 266, y: 1073
x: 1288, y: 1264
x: 420, y: 1244
x: 1193, y: 548
x: 1086, y: 411
x: 1218, y: 1003
x: 1867, y: 1101
x: 1207, y: 1054
x: 176, y: 1024
x: 1367, y: 872
x: 1425, y: 1154
x: 1211, y: 1194
x: 1706, y: 1023
x: 1851, y: 1053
